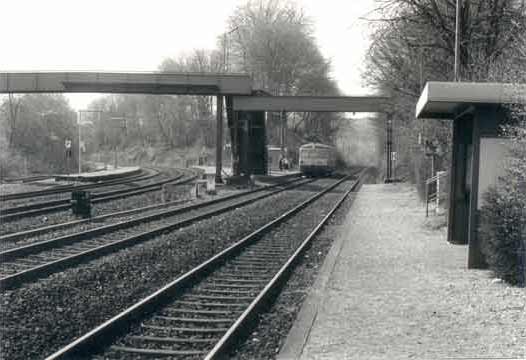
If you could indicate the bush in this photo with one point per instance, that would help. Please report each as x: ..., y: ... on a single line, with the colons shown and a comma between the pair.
x: 502, y: 230
x: 11, y: 164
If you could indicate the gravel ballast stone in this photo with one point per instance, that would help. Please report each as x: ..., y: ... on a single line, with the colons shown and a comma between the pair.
x: 41, y: 317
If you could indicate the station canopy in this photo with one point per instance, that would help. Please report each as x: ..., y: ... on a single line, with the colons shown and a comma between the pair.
x: 446, y: 100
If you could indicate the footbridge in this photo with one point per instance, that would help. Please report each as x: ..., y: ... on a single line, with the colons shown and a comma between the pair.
x: 245, y: 107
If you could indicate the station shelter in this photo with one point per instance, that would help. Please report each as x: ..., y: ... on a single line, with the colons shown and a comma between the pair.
x: 478, y: 155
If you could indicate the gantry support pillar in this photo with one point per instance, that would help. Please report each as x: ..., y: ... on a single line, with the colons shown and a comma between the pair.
x: 219, y: 138
x: 249, y: 147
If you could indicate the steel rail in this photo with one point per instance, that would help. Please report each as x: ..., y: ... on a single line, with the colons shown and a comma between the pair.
x: 64, y: 204
x: 107, y: 332
x: 49, y: 228
x: 25, y: 179
x: 67, y: 188
x: 16, y: 209
x: 50, y: 267
x: 47, y: 244
x: 235, y: 332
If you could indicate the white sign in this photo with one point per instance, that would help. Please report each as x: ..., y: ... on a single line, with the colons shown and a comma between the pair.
x: 393, y: 155
x: 67, y: 144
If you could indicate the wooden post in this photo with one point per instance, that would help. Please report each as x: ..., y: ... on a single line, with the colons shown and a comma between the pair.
x: 219, y: 138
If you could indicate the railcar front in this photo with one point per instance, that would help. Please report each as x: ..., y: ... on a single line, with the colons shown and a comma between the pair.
x: 317, y: 159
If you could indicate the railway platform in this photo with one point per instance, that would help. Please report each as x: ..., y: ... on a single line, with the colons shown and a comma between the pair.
x: 210, y: 170
x: 392, y: 287
x: 101, y: 174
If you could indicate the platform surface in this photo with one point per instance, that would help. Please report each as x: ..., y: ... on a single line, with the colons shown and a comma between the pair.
x: 102, y: 174
x: 393, y: 288
x: 210, y: 169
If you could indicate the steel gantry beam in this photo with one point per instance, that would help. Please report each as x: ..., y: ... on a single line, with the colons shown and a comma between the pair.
x: 138, y: 83
x: 377, y: 103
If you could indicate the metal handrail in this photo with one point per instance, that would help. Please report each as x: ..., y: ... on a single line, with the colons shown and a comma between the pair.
x: 432, y: 194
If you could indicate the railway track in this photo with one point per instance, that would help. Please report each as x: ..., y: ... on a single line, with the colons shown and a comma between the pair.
x: 206, y: 311
x: 67, y: 188
x: 27, y: 263
x: 14, y: 213
x: 26, y: 179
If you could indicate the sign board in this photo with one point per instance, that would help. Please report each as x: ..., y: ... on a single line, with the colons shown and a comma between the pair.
x: 393, y: 155
x: 492, y: 165
x: 69, y: 150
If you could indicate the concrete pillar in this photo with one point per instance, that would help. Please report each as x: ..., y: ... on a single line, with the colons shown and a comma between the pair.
x: 235, y: 140
x: 219, y: 138
x: 459, y: 195
x: 475, y: 257
x: 251, y: 142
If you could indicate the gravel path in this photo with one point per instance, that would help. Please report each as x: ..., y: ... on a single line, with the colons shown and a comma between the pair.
x: 39, y: 318
x: 399, y: 290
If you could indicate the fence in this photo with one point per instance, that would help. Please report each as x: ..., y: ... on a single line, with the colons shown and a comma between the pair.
x: 436, y: 192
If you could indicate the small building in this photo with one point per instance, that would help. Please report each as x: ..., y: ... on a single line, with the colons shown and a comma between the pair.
x: 274, y: 154
x: 478, y: 153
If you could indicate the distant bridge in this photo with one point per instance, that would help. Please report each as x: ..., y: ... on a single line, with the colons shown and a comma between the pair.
x: 137, y: 83
x: 244, y: 104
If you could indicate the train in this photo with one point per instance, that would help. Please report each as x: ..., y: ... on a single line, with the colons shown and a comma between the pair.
x: 317, y: 159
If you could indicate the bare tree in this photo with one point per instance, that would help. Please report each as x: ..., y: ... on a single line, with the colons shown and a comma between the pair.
x: 272, y: 40
x: 413, y: 42
x: 11, y: 109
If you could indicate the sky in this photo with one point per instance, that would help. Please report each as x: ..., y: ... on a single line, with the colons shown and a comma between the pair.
x: 129, y: 35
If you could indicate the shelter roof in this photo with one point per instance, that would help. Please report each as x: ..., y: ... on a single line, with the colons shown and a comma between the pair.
x: 445, y: 100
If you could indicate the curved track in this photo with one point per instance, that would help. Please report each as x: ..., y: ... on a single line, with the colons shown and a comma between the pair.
x: 13, y: 213
x: 203, y: 313
x: 66, y: 188
x: 35, y: 260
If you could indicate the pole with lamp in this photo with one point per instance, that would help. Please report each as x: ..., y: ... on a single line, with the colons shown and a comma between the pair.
x: 122, y: 127
x: 457, y: 40
x: 79, y: 126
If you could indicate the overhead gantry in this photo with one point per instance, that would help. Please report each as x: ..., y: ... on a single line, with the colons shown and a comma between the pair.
x: 244, y: 106
x: 250, y: 109
x: 158, y: 83
x: 131, y: 83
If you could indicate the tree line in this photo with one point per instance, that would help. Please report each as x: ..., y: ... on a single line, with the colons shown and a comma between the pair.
x: 33, y: 130
x: 414, y: 42
x: 270, y: 40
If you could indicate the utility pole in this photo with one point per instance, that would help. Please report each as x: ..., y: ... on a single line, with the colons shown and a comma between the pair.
x: 79, y: 125
x: 226, y: 49
x: 457, y: 40
x: 79, y: 120
x: 283, y: 121
x: 122, y: 127
x: 389, y: 149
x: 219, y: 138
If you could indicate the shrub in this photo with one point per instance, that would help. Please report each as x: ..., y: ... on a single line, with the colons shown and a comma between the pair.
x: 502, y: 231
